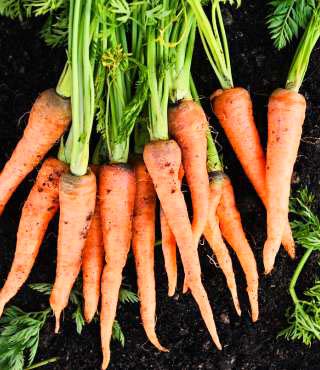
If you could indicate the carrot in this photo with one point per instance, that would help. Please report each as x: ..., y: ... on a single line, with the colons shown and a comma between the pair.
x: 143, y: 240
x: 49, y: 118
x: 213, y: 236
x: 188, y: 125
x: 117, y: 187
x: 233, y: 108
x: 163, y: 160
x: 77, y: 195
x: 93, y: 263
x: 232, y: 231
x: 286, y: 114
x: 169, y: 248
x: 38, y: 210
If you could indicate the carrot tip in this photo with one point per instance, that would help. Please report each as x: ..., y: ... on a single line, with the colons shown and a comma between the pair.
x: 106, y: 360
x: 171, y: 291
x: 185, y: 287
x: 57, y: 327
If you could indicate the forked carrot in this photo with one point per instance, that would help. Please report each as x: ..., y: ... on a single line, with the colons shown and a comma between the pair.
x: 38, y: 210
x: 49, y: 118
x: 77, y: 196
x: 286, y: 114
x: 117, y: 187
x: 163, y: 160
x: 232, y: 231
x: 233, y: 108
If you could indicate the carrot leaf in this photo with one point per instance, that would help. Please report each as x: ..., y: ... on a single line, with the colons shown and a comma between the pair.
x: 117, y: 333
x: 127, y: 296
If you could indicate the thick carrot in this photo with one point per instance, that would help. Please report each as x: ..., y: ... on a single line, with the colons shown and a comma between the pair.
x: 188, y: 125
x: 233, y: 108
x: 169, y: 248
x: 49, y: 118
x: 232, y: 231
x: 213, y: 236
x: 163, y: 160
x: 143, y: 239
x: 38, y: 210
x: 117, y: 187
x: 286, y: 114
x: 77, y: 196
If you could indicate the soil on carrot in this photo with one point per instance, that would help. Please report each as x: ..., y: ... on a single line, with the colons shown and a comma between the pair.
x: 27, y: 67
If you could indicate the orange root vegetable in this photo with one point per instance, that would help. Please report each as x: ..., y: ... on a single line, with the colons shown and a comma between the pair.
x: 77, y: 195
x: 233, y: 108
x: 286, y: 114
x: 49, y: 118
x: 143, y: 240
x: 189, y: 126
x: 213, y: 236
x: 163, y: 160
x: 38, y: 210
x: 117, y: 187
x: 169, y: 248
x: 232, y: 231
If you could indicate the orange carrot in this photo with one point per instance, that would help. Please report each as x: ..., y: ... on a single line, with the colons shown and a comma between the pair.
x: 117, y: 187
x: 213, y: 236
x: 188, y: 125
x: 163, y: 160
x: 286, y: 115
x: 49, y: 118
x: 169, y: 248
x: 233, y: 108
x: 77, y: 195
x: 38, y: 210
x: 232, y: 231
x: 143, y: 240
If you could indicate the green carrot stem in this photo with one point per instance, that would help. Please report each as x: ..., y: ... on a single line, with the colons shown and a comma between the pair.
x: 213, y: 160
x: 43, y: 363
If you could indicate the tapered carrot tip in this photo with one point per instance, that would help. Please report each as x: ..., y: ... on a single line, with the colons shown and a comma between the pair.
x: 185, y: 288
x: 88, y: 316
x: 57, y: 315
x: 152, y: 336
x: 171, y: 290
x: 106, y: 358
x: 269, y: 255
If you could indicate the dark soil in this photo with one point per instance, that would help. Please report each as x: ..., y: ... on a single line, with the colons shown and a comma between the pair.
x: 27, y: 67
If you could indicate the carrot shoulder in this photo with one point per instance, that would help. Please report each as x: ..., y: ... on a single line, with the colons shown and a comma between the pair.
x: 38, y: 210
x: 49, y: 118
x: 286, y: 114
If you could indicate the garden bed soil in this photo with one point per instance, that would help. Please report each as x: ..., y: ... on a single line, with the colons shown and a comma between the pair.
x: 27, y: 67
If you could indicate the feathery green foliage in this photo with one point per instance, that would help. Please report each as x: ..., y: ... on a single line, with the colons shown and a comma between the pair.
x: 127, y: 296
x: 117, y: 333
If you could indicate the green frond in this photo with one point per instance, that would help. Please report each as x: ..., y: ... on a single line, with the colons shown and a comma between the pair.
x: 43, y: 288
x: 117, y: 333
x: 127, y: 296
x: 12, y: 8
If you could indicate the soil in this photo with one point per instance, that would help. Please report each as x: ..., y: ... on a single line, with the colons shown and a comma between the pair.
x: 27, y: 67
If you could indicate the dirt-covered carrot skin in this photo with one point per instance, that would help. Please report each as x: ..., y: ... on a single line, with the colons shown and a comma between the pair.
x: 77, y: 198
x: 117, y: 188
x: 38, y: 210
x: 286, y: 115
x: 143, y: 239
x: 163, y: 160
x: 188, y: 125
x: 213, y: 236
x: 232, y: 231
x: 233, y: 108
x: 49, y: 118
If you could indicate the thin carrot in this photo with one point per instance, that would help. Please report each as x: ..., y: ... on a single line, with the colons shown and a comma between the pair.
x: 169, y: 248
x: 286, y: 114
x: 233, y: 108
x: 38, y: 210
x: 93, y: 262
x: 232, y: 231
x: 49, y: 118
x: 163, y: 160
x: 77, y: 195
x: 117, y: 187
x: 213, y: 236
x: 143, y: 240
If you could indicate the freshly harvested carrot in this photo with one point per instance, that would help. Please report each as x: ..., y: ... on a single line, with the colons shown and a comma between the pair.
x: 163, y: 160
x: 233, y: 108
x: 232, y: 231
x: 77, y: 198
x: 286, y: 114
x: 188, y: 125
x: 213, y: 236
x: 143, y: 239
x: 169, y: 248
x: 49, y: 118
x: 117, y: 187
x: 93, y: 263
x: 38, y: 210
